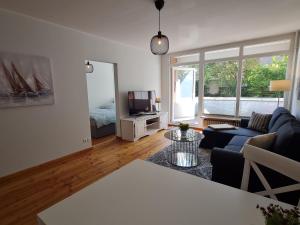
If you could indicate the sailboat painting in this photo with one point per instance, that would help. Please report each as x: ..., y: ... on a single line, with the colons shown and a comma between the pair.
x: 25, y: 80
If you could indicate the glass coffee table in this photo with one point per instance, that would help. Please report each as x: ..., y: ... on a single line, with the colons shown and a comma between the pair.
x: 184, y: 147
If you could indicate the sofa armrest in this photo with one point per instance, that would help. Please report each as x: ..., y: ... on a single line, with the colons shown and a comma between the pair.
x: 244, y: 122
x: 227, y: 167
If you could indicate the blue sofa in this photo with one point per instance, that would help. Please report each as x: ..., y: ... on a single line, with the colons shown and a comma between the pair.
x: 228, y: 162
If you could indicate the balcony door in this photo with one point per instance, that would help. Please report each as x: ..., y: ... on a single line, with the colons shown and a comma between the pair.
x: 185, y: 99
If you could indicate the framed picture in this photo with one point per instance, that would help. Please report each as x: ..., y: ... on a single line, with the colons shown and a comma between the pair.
x: 25, y: 80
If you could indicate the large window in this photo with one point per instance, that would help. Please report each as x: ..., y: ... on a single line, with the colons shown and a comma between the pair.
x: 257, y: 74
x: 231, y: 80
x: 220, y: 87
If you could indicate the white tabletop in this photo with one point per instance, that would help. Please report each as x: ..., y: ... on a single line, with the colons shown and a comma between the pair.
x: 143, y: 193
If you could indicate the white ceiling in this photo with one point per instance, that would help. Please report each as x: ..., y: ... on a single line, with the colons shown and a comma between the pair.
x: 188, y: 23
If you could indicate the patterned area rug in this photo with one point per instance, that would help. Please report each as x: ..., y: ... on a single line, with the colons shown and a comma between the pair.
x: 204, y: 169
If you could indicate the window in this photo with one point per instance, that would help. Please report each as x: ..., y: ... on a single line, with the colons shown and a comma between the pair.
x: 264, y: 48
x: 231, y: 80
x: 185, y: 59
x: 220, y: 87
x: 257, y: 74
x: 222, y: 54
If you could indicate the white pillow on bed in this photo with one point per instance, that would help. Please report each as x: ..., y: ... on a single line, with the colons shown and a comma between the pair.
x: 110, y: 105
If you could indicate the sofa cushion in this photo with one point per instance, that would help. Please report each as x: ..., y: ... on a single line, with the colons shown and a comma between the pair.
x: 259, y: 122
x: 239, y: 140
x: 234, y: 148
x: 282, y: 119
x: 242, y: 132
x: 237, y: 143
x: 220, y: 138
x: 288, y: 140
x: 276, y: 114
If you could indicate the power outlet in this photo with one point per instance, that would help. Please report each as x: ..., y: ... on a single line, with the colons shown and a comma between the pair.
x: 86, y: 140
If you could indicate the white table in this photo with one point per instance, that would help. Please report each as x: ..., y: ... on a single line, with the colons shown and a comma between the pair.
x: 143, y: 193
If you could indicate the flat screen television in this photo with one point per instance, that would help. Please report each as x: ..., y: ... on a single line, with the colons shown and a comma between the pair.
x: 141, y: 102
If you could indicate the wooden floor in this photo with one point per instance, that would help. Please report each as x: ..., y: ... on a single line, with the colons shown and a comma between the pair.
x: 24, y: 194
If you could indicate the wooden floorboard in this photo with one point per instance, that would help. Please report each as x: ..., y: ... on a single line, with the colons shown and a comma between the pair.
x: 24, y: 194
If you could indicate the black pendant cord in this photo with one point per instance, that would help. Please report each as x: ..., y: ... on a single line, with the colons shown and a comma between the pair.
x: 158, y: 20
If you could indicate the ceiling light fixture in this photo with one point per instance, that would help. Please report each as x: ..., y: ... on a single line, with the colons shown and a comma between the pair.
x: 89, y: 67
x: 159, y: 43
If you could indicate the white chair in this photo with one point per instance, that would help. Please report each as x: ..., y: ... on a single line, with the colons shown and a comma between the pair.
x: 288, y: 167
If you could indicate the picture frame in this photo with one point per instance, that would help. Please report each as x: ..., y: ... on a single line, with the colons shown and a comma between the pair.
x: 25, y: 80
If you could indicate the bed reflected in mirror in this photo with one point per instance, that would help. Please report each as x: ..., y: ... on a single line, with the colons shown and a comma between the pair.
x: 101, y: 97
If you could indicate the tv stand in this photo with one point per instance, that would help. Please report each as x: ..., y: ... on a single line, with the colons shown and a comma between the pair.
x: 136, y: 127
x: 148, y: 113
x: 144, y: 114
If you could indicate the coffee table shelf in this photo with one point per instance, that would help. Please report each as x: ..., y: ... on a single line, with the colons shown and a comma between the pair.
x: 184, y: 147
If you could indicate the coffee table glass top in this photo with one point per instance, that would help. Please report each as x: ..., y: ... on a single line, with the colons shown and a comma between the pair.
x: 188, y: 136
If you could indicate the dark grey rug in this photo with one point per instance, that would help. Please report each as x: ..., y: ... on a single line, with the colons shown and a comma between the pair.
x: 204, y: 169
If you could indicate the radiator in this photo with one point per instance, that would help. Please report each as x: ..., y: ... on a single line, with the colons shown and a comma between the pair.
x: 208, y: 121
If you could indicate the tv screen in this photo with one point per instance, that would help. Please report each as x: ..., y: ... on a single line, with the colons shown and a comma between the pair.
x: 141, y: 102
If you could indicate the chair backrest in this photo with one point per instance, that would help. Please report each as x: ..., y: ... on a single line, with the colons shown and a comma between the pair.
x: 288, y: 167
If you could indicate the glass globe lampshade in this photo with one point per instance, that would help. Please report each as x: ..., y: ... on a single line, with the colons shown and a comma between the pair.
x: 159, y: 44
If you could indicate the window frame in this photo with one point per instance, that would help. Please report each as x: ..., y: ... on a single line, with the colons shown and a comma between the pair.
x: 240, y: 58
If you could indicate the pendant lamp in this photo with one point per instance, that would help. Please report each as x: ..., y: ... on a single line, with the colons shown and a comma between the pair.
x: 89, y: 67
x: 159, y: 43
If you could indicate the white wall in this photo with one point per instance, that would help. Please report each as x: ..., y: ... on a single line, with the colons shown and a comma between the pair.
x: 33, y: 135
x: 296, y: 101
x: 100, y: 84
x: 165, y: 84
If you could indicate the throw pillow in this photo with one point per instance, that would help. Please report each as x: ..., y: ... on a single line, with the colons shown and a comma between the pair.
x: 264, y: 141
x: 259, y: 122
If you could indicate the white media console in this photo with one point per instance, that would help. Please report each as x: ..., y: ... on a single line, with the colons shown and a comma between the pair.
x: 133, y: 128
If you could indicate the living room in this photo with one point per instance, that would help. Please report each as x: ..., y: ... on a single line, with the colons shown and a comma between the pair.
x: 215, y: 63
